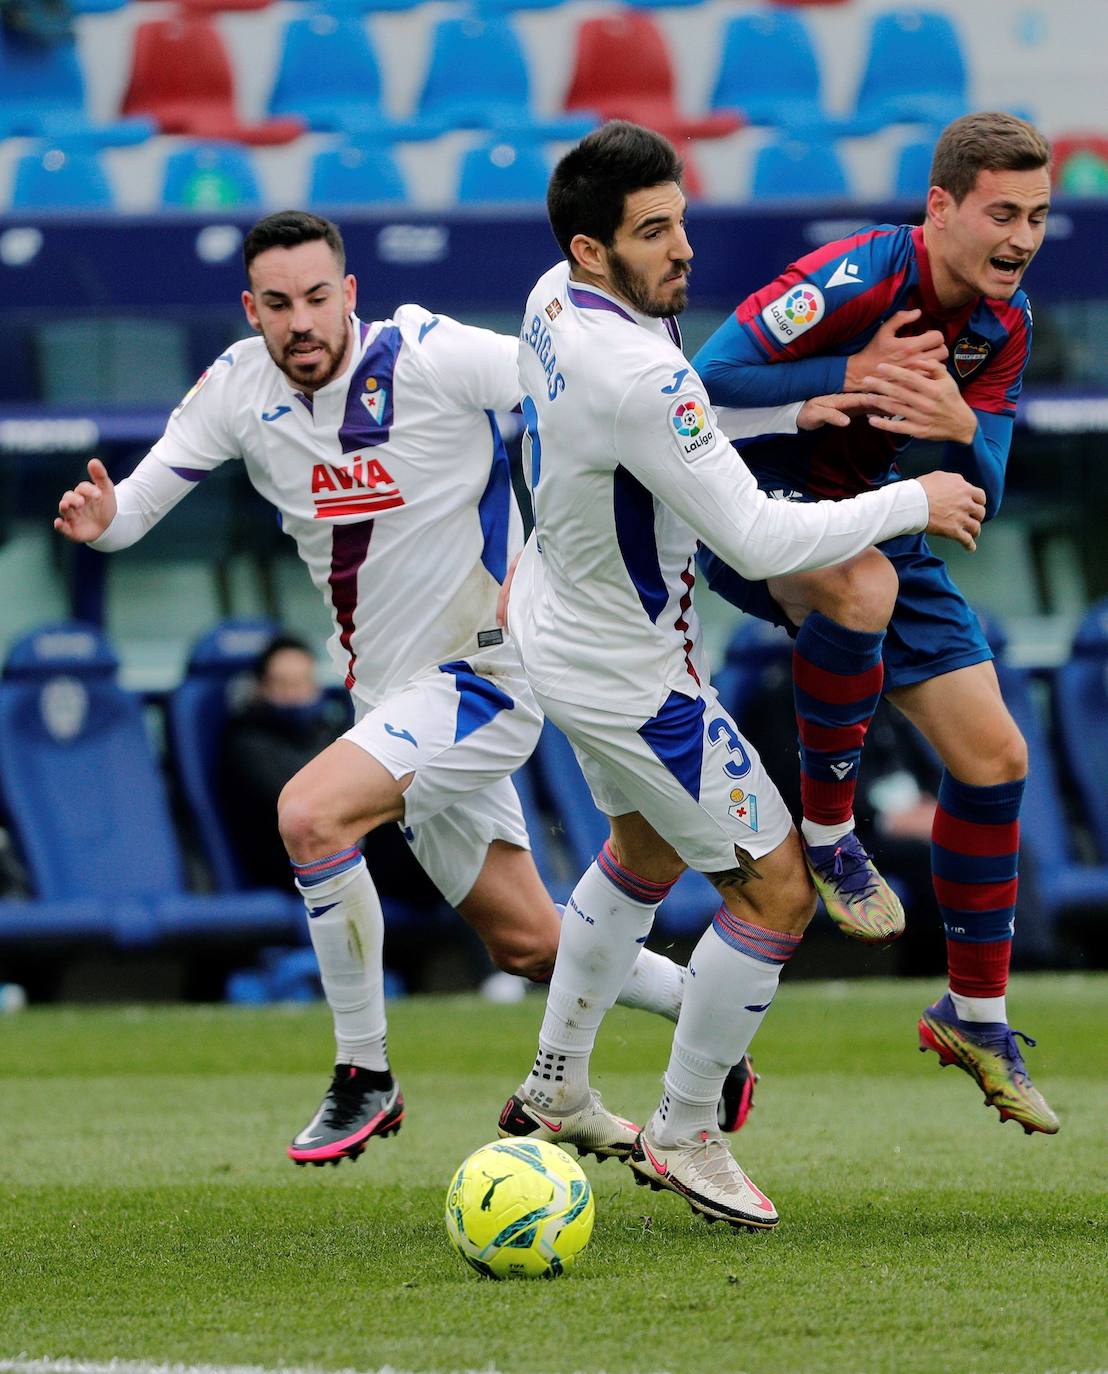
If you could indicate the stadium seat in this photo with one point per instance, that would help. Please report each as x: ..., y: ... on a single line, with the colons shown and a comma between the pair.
x: 181, y: 77
x: 758, y: 659
x: 622, y: 70
x: 196, y: 712
x: 501, y: 171
x: 794, y: 170
x: 915, y: 72
x: 477, y: 78
x: 88, y: 807
x: 912, y: 174
x: 1061, y: 882
x: 1080, y: 163
x: 757, y: 50
x: 689, y: 907
x: 42, y: 95
x: 352, y: 175
x: 57, y: 180
x: 1081, y: 693
x: 210, y: 176
x: 350, y: 98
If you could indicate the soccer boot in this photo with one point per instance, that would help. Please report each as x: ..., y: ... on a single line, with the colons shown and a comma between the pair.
x: 989, y: 1054
x: 591, y: 1130
x: 705, y: 1173
x: 857, y: 898
x: 352, y: 1112
x: 737, y: 1097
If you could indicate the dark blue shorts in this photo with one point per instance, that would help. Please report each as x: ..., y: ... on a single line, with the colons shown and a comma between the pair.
x: 933, y: 629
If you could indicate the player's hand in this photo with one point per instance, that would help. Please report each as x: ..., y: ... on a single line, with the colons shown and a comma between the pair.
x: 888, y: 345
x: 505, y: 590
x: 86, y: 512
x: 831, y: 410
x: 921, y: 402
x: 955, y: 508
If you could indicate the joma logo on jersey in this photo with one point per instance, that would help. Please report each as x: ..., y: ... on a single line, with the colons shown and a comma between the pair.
x: 365, y: 486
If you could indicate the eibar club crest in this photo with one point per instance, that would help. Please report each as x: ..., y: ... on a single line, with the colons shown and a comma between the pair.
x: 744, y: 808
x: 374, y: 398
x: 969, y: 355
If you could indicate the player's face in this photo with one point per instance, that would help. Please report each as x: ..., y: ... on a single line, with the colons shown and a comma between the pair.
x: 648, y: 262
x: 300, y: 303
x: 985, y: 243
x: 290, y: 679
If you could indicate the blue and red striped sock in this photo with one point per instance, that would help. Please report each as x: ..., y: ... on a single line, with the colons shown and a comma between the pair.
x: 975, y: 841
x: 837, y: 679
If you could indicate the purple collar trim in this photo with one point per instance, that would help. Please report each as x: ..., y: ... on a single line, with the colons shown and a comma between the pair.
x: 589, y: 300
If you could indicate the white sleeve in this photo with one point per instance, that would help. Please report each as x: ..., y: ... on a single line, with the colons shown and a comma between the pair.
x: 196, y: 441
x: 151, y: 491
x: 750, y: 421
x: 674, y: 447
x: 476, y: 368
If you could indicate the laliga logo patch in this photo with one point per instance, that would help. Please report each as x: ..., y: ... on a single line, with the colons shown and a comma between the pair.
x: 968, y: 356
x: 374, y: 398
x: 744, y: 808
x: 690, y: 425
x: 791, y: 314
x: 187, y: 397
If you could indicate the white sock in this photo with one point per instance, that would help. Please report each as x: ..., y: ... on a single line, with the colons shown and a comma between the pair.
x: 656, y: 984
x: 348, y: 939
x: 727, y: 994
x: 980, y: 1008
x: 599, y: 944
x: 825, y: 834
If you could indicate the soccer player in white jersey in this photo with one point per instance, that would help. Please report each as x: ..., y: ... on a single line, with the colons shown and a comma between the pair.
x: 628, y: 468
x: 378, y: 445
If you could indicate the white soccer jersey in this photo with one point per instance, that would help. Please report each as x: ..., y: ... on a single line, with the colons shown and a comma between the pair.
x: 628, y: 469
x: 392, y: 479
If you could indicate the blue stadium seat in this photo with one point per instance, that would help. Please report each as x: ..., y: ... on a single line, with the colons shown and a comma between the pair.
x: 758, y: 660
x: 477, y: 78
x: 349, y: 99
x: 687, y: 910
x: 769, y: 72
x: 1061, y: 882
x: 1081, y: 693
x: 196, y: 713
x: 42, y: 95
x: 353, y: 175
x: 210, y: 176
x: 501, y: 171
x: 796, y: 170
x: 57, y: 180
x: 912, y: 175
x: 915, y: 71
x: 87, y: 804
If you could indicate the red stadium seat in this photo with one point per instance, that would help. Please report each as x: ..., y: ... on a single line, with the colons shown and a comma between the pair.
x: 622, y: 70
x: 181, y: 76
x: 1075, y: 155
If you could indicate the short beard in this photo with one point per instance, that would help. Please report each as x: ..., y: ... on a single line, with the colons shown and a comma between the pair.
x: 632, y: 287
x: 319, y: 380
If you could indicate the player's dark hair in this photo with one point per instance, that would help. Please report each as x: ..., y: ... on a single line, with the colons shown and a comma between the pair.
x: 590, y: 184
x: 286, y: 229
x: 986, y: 142
x: 278, y: 644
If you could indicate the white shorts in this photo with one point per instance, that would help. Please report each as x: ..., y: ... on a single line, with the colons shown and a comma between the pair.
x: 463, y: 734
x: 689, y: 772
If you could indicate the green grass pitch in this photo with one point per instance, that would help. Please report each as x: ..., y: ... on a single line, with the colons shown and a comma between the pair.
x: 148, y: 1212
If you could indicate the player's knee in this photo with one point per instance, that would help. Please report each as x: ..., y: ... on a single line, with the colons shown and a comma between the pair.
x: 305, y: 831
x: 860, y: 594
x: 533, y: 959
x: 1011, y: 758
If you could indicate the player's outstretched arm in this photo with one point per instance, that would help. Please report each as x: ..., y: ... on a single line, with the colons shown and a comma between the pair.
x: 86, y: 512
x: 888, y: 345
x: 836, y: 410
x: 955, y: 508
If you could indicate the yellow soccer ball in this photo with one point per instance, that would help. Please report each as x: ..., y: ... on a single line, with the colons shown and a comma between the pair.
x: 519, y: 1209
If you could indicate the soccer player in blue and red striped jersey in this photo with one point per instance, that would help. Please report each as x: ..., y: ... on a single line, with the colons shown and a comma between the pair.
x: 929, y: 328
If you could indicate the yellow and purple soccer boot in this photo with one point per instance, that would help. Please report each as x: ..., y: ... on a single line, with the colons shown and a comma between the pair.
x: 857, y: 898
x: 989, y: 1054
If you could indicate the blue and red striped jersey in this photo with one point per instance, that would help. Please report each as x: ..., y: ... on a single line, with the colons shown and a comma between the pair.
x: 791, y: 339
